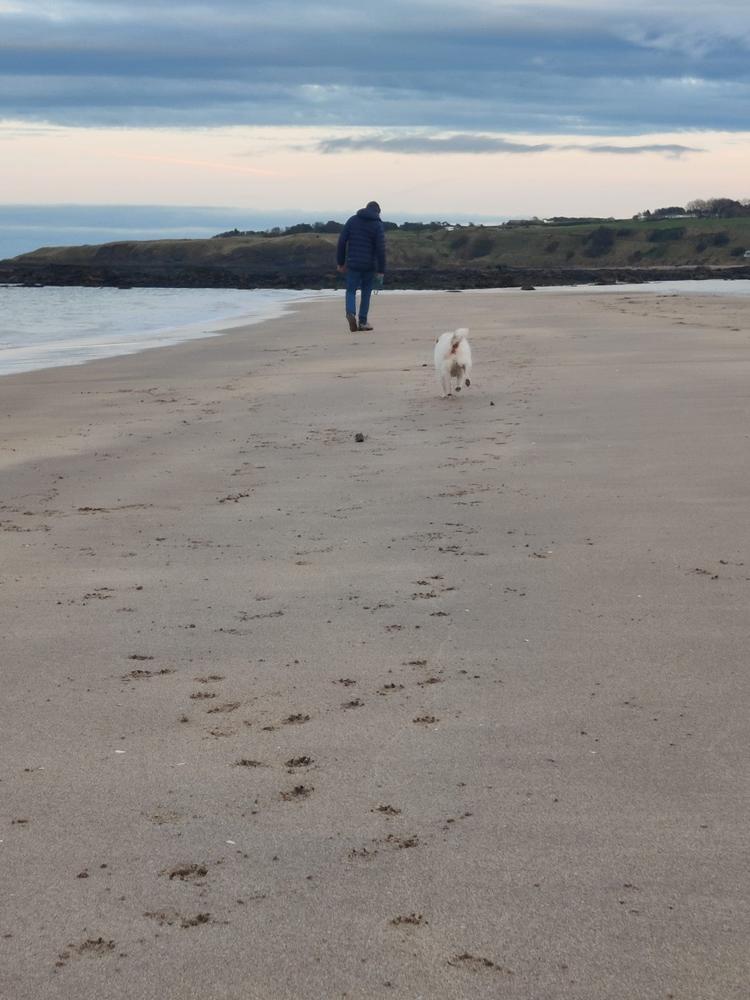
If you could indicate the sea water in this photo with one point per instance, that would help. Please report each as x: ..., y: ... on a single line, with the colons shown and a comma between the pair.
x: 52, y: 326
x: 692, y: 286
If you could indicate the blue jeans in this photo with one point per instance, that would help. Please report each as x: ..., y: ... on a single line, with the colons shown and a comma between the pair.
x: 364, y: 281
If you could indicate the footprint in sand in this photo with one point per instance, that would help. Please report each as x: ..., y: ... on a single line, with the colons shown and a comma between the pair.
x: 411, y: 919
x: 297, y: 793
x: 168, y: 918
x: 295, y: 762
x: 475, y: 963
x: 90, y: 948
x: 386, y: 810
x: 186, y: 873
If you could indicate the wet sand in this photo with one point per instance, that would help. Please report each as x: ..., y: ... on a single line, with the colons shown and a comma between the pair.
x: 459, y: 711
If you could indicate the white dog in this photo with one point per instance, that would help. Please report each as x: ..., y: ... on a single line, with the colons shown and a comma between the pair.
x: 453, y: 360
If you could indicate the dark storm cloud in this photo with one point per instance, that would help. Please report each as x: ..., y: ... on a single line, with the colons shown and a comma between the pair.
x: 588, y: 67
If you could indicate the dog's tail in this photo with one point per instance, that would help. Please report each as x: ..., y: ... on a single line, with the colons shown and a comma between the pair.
x: 456, y: 338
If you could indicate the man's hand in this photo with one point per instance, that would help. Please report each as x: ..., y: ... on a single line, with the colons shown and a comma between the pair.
x: 341, y: 268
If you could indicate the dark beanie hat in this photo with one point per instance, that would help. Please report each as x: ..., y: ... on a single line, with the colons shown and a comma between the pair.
x: 373, y: 206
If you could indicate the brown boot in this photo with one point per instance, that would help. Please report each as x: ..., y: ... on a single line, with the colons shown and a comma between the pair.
x: 352, y: 321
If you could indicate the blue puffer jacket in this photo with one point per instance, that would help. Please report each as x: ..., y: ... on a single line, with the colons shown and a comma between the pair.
x: 362, y: 242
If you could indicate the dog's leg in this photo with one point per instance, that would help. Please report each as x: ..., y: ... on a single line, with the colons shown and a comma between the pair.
x: 446, y: 384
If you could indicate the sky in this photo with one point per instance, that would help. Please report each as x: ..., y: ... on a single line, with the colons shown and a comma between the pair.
x: 146, y: 117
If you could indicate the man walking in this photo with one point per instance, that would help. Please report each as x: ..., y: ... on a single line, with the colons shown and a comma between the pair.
x: 361, y: 256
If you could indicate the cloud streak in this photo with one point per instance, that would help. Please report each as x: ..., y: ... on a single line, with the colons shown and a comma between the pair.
x: 475, y: 143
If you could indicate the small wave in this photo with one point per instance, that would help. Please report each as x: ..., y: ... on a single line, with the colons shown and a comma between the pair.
x: 58, y: 326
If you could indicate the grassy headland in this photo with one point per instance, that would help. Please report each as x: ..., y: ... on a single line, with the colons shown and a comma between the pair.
x: 450, y: 256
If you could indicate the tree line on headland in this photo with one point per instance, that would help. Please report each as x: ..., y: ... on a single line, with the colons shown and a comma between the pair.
x: 335, y: 227
x: 713, y: 208
x: 699, y: 208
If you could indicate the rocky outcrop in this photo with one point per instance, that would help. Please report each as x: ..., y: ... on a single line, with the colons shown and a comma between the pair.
x: 241, y: 274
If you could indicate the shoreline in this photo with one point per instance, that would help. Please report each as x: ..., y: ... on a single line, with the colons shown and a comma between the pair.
x: 455, y: 709
x: 172, y: 335
x: 83, y: 342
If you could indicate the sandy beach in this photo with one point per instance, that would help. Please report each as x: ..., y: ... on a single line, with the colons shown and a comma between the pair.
x: 459, y: 711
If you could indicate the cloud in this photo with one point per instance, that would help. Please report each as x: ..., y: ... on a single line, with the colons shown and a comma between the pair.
x: 673, y: 150
x: 420, y: 143
x: 473, y: 143
x: 582, y: 65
